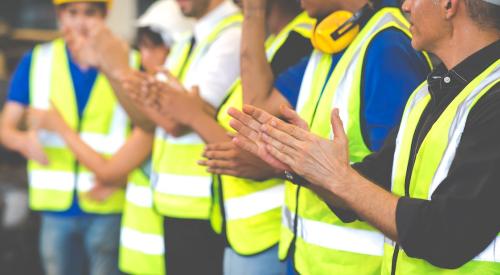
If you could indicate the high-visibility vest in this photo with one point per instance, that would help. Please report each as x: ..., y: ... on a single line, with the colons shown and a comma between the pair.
x: 141, y: 240
x: 323, y: 243
x: 182, y: 187
x: 104, y: 126
x: 252, y: 210
x: 432, y: 164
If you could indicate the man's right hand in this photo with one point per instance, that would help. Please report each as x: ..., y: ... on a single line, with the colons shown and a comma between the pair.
x: 33, y: 149
x: 228, y: 159
x: 99, y: 47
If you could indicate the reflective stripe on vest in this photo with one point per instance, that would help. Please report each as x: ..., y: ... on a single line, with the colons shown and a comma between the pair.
x: 182, y: 187
x: 252, y: 209
x: 335, y: 237
x: 141, y: 240
x: 104, y: 127
x: 353, y: 248
x: 432, y: 164
x: 255, y: 203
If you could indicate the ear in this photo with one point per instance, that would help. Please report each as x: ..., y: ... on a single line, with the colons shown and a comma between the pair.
x: 450, y: 7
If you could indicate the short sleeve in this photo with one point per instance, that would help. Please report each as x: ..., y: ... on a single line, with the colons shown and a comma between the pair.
x: 19, y: 87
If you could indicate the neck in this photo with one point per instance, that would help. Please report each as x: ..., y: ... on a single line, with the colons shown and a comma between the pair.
x: 278, y: 19
x: 211, y: 6
x: 459, y: 44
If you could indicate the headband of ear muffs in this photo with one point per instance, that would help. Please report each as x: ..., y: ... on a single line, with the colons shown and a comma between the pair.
x: 335, y: 32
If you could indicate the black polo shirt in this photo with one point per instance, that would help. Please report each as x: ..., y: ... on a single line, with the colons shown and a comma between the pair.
x: 462, y: 217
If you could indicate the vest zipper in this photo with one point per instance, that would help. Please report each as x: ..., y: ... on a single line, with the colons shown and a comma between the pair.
x: 394, y: 259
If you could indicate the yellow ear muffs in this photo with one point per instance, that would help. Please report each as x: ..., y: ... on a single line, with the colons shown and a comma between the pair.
x: 322, y: 38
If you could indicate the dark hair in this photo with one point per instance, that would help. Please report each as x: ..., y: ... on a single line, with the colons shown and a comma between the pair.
x: 484, y: 13
x: 148, y: 33
x: 103, y: 7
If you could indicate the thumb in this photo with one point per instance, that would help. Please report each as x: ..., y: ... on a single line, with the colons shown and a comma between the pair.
x: 337, y: 126
x: 195, y: 91
x: 291, y: 116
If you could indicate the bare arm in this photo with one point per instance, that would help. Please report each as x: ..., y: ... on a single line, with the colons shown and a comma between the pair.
x: 102, y: 49
x: 113, y: 171
x: 23, y: 142
x: 138, y: 117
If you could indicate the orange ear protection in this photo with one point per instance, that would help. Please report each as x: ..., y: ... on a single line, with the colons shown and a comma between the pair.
x: 335, y: 32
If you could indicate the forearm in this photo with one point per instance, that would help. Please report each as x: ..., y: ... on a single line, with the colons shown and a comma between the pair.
x: 256, y: 73
x: 12, y: 138
x: 208, y: 128
x: 170, y: 126
x: 372, y: 203
x: 134, y: 112
x: 90, y: 158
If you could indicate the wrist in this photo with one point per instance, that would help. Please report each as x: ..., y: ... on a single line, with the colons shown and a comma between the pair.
x: 342, y: 185
x: 195, y: 117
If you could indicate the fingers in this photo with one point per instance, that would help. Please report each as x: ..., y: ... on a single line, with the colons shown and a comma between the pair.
x: 217, y: 164
x: 258, y: 114
x: 286, y: 159
x: 246, y: 144
x: 243, y: 130
x: 293, y: 117
x: 245, y: 119
x: 282, y: 130
x: 223, y: 146
x: 220, y: 155
x: 337, y: 126
x: 280, y: 146
x: 281, y: 137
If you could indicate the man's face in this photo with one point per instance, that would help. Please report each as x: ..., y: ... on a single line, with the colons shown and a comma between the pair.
x: 426, y: 23
x: 319, y: 8
x: 78, y: 16
x: 193, y: 8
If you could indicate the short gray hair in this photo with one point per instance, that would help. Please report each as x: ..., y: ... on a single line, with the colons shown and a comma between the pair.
x: 484, y: 13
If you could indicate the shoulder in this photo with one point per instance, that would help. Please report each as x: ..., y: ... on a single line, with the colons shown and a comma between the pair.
x: 486, y: 111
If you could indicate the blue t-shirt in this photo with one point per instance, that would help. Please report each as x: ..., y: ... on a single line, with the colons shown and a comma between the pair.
x: 392, y: 70
x: 83, y: 81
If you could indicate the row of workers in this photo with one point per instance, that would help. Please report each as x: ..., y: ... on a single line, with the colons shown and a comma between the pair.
x: 400, y: 178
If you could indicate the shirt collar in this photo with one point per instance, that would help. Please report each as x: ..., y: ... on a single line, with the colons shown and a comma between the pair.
x: 458, y: 77
x: 207, y: 23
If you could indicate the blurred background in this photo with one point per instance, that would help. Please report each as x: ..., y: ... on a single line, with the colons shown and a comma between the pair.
x: 24, y: 23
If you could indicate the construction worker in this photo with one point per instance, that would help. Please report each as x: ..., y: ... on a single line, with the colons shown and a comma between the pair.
x: 364, y: 63
x: 433, y: 187
x: 252, y: 235
x: 208, y: 59
x: 141, y: 239
x: 79, y: 234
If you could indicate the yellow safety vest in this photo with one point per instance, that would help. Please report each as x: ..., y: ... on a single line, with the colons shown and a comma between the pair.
x: 323, y: 243
x: 252, y: 210
x: 141, y: 240
x: 183, y: 189
x: 104, y: 126
x: 432, y: 165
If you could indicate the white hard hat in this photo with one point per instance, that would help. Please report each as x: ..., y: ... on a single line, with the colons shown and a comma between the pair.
x: 166, y: 18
